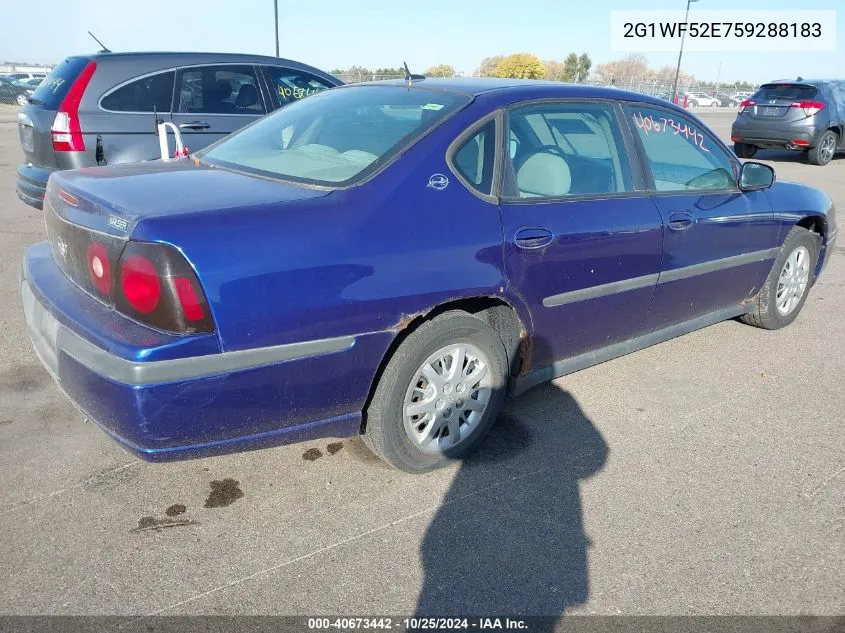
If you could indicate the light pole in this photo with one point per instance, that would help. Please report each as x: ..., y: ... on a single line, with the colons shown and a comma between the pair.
x: 276, y: 22
x: 681, y: 54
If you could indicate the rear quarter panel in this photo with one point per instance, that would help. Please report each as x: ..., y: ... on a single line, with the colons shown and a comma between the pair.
x: 355, y: 261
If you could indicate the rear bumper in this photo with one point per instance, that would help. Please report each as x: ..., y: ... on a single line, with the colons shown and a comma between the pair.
x: 778, y: 138
x: 193, y: 406
x: 31, y: 184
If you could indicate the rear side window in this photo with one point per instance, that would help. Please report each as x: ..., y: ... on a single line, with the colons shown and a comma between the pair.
x: 474, y: 160
x: 786, y: 92
x: 220, y: 90
x: 291, y: 85
x: 53, y: 89
x: 154, y: 92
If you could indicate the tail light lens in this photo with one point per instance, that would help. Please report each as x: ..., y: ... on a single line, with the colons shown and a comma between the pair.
x: 810, y: 107
x: 746, y: 105
x: 99, y: 268
x: 156, y: 286
x: 66, y: 131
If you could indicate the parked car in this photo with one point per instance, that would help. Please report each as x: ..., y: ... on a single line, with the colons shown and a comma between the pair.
x: 701, y: 100
x: 373, y: 260
x: 104, y: 105
x: 805, y: 116
x: 20, y: 76
x: 726, y: 100
x: 12, y: 92
x: 31, y: 83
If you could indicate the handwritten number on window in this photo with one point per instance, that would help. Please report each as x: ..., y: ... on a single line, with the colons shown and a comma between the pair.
x: 647, y: 124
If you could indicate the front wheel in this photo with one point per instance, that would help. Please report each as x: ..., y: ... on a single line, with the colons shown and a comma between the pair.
x: 439, y: 394
x: 785, y: 291
x: 692, y: 103
x: 22, y: 100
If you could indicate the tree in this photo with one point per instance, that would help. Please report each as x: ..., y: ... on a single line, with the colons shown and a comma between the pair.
x: 554, y: 70
x: 488, y: 66
x: 570, y: 67
x: 521, y: 66
x: 623, y: 71
x: 584, y: 65
x: 442, y: 70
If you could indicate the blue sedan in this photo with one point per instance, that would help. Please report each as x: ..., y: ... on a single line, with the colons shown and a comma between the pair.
x: 390, y: 259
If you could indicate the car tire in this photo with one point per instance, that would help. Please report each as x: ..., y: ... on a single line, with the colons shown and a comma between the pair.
x: 22, y: 100
x: 715, y: 104
x: 788, y: 284
x: 744, y: 150
x: 692, y: 103
x: 825, y: 149
x: 400, y: 437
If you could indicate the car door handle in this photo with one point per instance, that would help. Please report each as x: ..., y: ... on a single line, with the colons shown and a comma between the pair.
x: 194, y: 125
x: 533, y: 237
x: 681, y: 221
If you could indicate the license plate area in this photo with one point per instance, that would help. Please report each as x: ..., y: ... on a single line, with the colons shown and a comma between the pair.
x: 771, y: 111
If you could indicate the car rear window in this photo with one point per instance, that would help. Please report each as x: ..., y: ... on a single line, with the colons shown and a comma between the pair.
x: 786, y: 92
x: 53, y: 89
x: 335, y: 137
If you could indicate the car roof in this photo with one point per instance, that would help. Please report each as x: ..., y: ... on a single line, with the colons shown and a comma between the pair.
x: 191, y: 57
x: 531, y: 87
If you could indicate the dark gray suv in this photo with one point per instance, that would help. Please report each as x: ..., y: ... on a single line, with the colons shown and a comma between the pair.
x: 99, y: 109
x: 807, y: 116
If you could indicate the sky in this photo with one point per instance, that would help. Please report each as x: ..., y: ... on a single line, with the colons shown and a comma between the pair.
x: 380, y: 33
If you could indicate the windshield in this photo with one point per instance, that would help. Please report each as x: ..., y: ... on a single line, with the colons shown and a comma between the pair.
x: 335, y: 137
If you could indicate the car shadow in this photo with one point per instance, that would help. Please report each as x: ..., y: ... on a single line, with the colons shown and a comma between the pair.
x: 509, y: 537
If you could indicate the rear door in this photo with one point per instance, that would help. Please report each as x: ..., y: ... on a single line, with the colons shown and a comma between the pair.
x: 123, y: 116
x: 215, y: 100
x: 582, y: 239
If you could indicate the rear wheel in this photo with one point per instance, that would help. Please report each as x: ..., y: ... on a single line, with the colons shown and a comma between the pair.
x: 785, y: 291
x: 825, y: 149
x: 744, y: 150
x: 22, y: 100
x: 439, y: 394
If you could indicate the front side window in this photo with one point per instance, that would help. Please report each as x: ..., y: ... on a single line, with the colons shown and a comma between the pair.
x: 147, y: 94
x: 220, y: 90
x: 474, y: 159
x: 291, y: 85
x: 335, y: 137
x: 682, y: 155
x: 571, y: 149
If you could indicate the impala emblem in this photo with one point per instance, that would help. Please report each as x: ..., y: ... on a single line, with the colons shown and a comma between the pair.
x: 62, y: 246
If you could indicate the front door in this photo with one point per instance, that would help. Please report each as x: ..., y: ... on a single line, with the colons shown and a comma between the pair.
x: 216, y: 100
x: 582, y: 247
x: 719, y: 242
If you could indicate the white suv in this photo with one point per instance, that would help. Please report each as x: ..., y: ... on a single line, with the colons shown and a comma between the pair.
x: 696, y: 99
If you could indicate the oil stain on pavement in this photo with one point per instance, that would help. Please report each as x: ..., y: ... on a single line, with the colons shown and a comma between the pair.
x: 223, y: 493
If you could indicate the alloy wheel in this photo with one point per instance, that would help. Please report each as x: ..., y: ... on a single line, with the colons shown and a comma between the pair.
x: 793, y: 280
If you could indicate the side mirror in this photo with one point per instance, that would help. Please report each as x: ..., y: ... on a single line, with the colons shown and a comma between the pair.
x: 756, y: 176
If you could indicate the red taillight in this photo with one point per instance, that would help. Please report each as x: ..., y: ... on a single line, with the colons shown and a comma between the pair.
x: 810, y: 107
x: 736, y: 139
x: 156, y: 286
x: 99, y: 267
x: 191, y: 306
x: 801, y: 143
x: 747, y: 103
x: 139, y: 283
x: 67, y: 133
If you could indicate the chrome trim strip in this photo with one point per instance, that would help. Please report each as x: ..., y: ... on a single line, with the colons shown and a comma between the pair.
x: 50, y: 337
x: 593, y: 292
x: 634, y: 283
x: 717, y: 264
